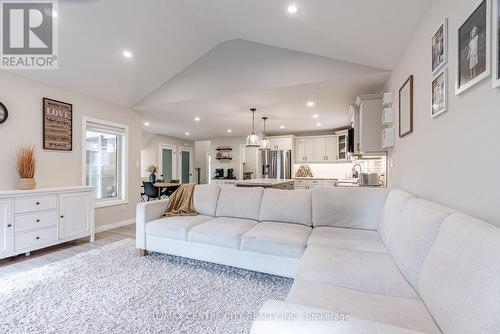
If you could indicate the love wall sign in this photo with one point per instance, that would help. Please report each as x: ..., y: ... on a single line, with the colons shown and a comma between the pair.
x: 57, y: 125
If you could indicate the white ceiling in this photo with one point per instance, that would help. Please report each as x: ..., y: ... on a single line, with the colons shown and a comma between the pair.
x: 166, y: 36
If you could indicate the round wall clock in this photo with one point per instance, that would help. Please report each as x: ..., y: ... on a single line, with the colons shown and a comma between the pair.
x: 3, y: 113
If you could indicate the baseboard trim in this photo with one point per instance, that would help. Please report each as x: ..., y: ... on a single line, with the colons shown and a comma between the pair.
x: 111, y: 226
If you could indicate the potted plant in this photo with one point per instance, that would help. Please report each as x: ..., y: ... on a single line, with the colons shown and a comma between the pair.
x: 26, y: 165
x: 152, y: 173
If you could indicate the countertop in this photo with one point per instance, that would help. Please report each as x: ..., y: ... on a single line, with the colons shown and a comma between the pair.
x: 314, y: 178
x: 262, y: 182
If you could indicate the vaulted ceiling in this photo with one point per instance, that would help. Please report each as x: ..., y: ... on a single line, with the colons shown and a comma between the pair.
x: 173, y: 41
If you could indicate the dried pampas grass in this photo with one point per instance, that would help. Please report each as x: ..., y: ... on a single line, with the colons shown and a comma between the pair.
x: 26, y: 161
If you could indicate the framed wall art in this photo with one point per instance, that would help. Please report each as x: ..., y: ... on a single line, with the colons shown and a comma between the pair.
x: 496, y: 43
x: 57, y: 125
x: 406, y: 107
x: 473, y: 54
x: 440, y: 93
x: 440, y: 47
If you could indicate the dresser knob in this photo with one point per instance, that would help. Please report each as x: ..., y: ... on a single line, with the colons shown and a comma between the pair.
x: 37, y: 203
x: 62, y: 216
x: 10, y: 225
x: 38, y: 220
x: 37, y: 238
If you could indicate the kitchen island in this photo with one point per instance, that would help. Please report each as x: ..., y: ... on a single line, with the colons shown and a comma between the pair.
x: 266, y: 183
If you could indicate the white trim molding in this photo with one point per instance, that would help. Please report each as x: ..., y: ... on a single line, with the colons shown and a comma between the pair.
x: 112, y: 226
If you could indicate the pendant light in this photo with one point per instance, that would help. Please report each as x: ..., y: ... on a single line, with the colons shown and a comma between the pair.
x: 253, y: 140
x: 264, y: 143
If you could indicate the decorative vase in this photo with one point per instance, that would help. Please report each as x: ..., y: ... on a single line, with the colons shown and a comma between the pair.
x: 26, y: 184
x: 152, y: 177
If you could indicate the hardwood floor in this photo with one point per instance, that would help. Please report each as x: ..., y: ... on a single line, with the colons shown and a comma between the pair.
x: 56, y: 253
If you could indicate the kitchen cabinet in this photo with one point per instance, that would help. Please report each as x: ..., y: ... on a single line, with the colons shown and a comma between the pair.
x: 305, y: 184
x: 366, y: 118
x: 305, y: 149
x: 281, y: 143
x: 317, y: 149
x: 341, y: 147
x: 6, y: 227
x: 326, y: 149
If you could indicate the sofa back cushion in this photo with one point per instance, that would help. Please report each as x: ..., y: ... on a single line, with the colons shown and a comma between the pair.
x: 460, y: 278
x: 205, y: 198
x: 286, y: 206
x: 391, y: 213
x: 348, y: 207
x: 413, y: 236
x: 239, y: 202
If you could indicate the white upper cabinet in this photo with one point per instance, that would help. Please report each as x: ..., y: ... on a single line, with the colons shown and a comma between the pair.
x: 281, y: 144
x: 316, y: 149
x: 341, y: 147
x: 6, y: 229
x: 310, y: 149
x: 75, y: 211
x: 366, y: 120
x: 299, y: 150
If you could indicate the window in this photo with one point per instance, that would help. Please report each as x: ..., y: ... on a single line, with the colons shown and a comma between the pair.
x: 104, y: 159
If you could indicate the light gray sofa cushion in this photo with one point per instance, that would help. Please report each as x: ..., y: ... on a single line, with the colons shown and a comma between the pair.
x: 286, y: 206
x: 205, y: 198
x: 281, y: 239
x: 460, y: 278
x: 240, y: 202
x: 413, y: 236
x: 391, y: 212
x: 400, y: 312
x: 365, y: 271
x: 175, y: 227
x: 348, y: 207
x: 362, y: 240
x: 223, y: 232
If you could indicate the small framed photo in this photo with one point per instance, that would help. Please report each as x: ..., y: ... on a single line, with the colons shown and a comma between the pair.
x: 440, y: 47
x: 440, y: 93
x: 496, y: 43
x: 473, y: 56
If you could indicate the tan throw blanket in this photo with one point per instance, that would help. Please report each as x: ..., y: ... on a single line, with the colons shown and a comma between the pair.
x: 180, y: 203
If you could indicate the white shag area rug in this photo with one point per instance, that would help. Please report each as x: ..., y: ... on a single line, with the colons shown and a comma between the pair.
x: 113, y: 290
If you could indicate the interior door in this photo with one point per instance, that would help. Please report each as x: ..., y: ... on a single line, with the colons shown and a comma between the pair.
x: 5, y: 227
x: 185, y: 166
x: 167, y: 162
x: 74, y: 210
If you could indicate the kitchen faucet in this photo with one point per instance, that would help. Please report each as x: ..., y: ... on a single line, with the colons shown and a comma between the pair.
x: 354, y: 172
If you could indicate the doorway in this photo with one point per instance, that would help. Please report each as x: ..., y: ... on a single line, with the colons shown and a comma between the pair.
x: 185, y: 165
x: 167, y: 162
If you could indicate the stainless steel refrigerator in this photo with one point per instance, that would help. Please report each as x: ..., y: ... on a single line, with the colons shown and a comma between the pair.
x: 276, y: 164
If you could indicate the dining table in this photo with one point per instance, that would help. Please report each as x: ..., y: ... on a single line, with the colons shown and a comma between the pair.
x: 165, y: 185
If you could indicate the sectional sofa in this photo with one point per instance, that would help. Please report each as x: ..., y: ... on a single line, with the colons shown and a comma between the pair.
x: 363, y: 260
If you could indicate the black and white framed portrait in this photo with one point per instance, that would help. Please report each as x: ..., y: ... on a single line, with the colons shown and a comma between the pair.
x: 440, y: 93
x: 496, y: 43
x: 474, y: 48
x: 440, y: 47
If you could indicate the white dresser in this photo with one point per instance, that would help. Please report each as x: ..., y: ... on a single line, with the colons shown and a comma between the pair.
x: 34, y: 219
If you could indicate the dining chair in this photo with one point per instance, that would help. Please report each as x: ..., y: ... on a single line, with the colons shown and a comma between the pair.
x: 167, y: 192
x: 150, y: 191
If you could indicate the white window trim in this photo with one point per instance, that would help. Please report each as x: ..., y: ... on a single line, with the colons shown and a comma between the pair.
x: 125, y: 154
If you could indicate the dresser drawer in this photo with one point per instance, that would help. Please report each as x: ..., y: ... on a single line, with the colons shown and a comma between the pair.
x: 34, y: 239
x: 35, y: 203
x: 30, y: 221
x: 316, y: 182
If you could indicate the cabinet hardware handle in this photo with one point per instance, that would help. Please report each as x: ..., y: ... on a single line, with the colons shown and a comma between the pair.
x: 37, y: 203
x: 62, y: 216
x: 10, y: 225
x: 37, y: 238
x: 38, y: 220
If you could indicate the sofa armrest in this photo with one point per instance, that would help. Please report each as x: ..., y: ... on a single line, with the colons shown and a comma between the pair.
x: 146, y: 212
x: 285, y: 318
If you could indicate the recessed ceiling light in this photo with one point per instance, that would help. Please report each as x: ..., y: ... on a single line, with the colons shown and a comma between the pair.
x: 282, y: 126
x: 315, y: 116
x: 292, y: 9
x: 146, y: 123
x: 229, y: 130
x: 186, y: 133
x: 197, y: 119
x: 127, y: 54
x: 318, y: 124
x: 310, y: 104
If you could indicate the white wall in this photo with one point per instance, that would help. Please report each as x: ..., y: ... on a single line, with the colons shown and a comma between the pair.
x: 454, y: 158
x: 150, y: 152
x: 200, y: 158
x: 234, y: 143
x: 23, y: 98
